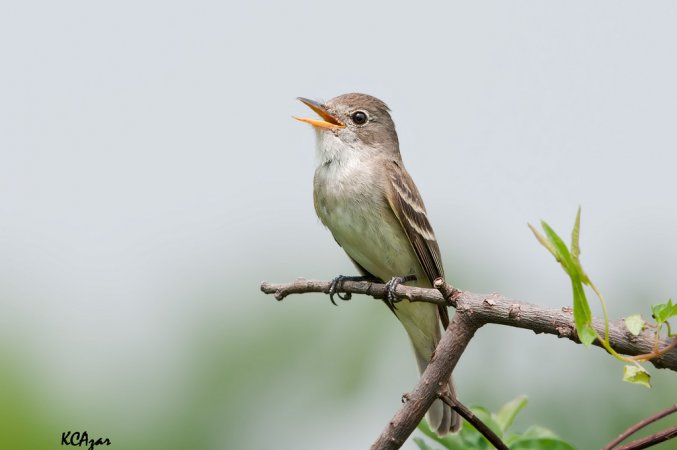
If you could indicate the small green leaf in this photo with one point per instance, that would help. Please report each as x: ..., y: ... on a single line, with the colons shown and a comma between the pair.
x: 664, y: 311
x: 564, y: 257
x: 544, y: 242
x: 576, y: 249
x: 582, y: 313
x: 636, y: 375
x: 506, y: 415
x: 575, y: 234
x: 634, y: 324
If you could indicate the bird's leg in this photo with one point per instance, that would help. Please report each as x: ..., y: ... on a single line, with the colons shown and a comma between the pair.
x: 391, y: 286
x: 335, y: 285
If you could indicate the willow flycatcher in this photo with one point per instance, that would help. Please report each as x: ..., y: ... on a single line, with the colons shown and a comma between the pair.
x: 366, y: 198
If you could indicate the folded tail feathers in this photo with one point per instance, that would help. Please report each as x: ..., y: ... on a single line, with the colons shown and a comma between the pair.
x: 422, y: 325
x: 441, y: 418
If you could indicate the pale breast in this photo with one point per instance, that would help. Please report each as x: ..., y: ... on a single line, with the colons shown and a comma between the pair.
x: 349, y: 201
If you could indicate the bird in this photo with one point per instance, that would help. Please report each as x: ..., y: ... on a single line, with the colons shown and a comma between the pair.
x: 366, y: 198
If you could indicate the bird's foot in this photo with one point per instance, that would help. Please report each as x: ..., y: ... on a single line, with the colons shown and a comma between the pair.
x: 335, y: 285
x: 391, y: 287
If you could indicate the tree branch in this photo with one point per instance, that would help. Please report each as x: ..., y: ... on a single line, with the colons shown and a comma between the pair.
x: 418, y: 401
x: 639, y: 425
x: 651, y: 440
x: 495, y: 308
x: 472, y: 312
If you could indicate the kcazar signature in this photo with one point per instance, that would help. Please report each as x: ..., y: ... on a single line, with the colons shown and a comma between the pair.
x: 78, y: 439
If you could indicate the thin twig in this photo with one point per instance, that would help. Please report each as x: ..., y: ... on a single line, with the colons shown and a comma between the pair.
x: 639, y: 425
x: 657, y: 351
x: 651, y: 440
x: 475, y: 421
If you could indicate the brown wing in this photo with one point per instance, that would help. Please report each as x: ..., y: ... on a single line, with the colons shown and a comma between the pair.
x: 406, y: 203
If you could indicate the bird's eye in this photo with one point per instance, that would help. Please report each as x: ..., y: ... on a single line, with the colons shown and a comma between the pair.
x: 359, y: 117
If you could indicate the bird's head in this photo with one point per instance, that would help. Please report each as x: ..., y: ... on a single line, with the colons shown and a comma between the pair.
x: 359, y: 121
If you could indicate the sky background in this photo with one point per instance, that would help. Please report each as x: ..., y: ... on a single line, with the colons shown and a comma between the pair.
x: 151, y: 177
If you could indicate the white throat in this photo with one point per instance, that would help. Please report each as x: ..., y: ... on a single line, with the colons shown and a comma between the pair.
x: 330, y: 149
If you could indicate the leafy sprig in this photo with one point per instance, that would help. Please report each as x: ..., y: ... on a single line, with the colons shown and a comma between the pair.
x: 468, y: 438
x: 569, y: 259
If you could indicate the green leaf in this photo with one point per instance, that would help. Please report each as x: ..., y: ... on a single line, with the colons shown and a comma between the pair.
x: 582, y: 313
x: 576, y: 249
x: 634, y: 324
x: 664, y: 311
x: 541, y: 444
x: 564, y: 257
x: 538, y: 432
x: 537, y: 437
x: 575, y: 234
x: 425, y: 428
x: 469, y: 437
x: 506, y: 415
x: 466, y: 439
x: 636, y: 375
x: 511, y: 437
x: 450, y: 442
x: 544, y: 242
x: 422, y: 444
x: 488, y: 419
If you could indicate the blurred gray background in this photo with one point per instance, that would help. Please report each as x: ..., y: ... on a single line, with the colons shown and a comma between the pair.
x: 151, y: 177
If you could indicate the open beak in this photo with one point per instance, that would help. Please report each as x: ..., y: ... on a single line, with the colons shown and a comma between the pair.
x: 329, y: 122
